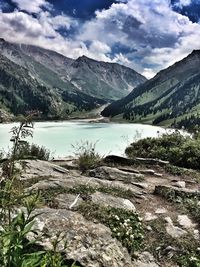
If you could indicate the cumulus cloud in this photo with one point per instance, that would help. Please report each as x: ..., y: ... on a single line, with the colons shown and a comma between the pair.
x: 32, y: 6
x: 147, y: 35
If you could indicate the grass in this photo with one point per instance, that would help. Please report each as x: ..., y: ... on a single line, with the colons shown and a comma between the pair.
x: 49, y: 195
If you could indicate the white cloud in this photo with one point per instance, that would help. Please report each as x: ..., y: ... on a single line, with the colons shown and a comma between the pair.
x: 183, y: 3
x: 154, y: 35
x: 32, y: 6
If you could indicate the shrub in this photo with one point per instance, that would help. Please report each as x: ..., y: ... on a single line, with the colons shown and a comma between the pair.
x: 88, y: 158
x: 32, y: 151
x: 176, y: 148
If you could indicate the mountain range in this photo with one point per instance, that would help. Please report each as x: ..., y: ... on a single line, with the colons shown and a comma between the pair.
x: 34, y: 78
x: 172, y: 96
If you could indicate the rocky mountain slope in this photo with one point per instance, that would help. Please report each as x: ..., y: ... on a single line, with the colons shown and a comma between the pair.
x: 126, y: 214
x: 20, y: 92
x: 82, y: 84
x: 172, y: 95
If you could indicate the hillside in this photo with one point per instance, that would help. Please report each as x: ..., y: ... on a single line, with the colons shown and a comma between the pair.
x: 99, y: 79
x: 171, y: 96
x: 20, y: 92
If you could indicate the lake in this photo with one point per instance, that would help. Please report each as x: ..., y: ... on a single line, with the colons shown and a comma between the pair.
x: 59, y: 137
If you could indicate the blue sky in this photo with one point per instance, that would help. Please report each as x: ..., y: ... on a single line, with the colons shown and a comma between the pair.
x: 147, y: 35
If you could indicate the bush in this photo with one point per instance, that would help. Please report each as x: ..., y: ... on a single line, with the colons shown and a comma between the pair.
x: 32, y: 151
x: 176, y: 148
x: 88, y: 158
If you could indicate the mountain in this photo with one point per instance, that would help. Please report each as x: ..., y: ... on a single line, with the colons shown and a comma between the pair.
x: 171, y: 96
x: 34, y: 78
x: 107, y: 81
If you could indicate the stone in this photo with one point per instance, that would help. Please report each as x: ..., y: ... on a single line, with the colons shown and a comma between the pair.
x: 185, y: 222
x: 196, y: 234
x: 65, y: 201
x: 88, y: 243
x: 180, y: 184
x: 109, y: 173
x: 140, y: 185
x: 149, y: 217
x: 37, y: 168
x: 172, y: 230
x: 165, y: 190
x: 115, y: 202
x: 145, y: 259
x: 160, y: 211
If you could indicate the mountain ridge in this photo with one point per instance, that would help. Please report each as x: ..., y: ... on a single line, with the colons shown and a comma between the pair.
x: 77, y: 88
x: 169, y: 96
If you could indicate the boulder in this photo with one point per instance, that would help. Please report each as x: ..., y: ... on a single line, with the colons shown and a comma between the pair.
x: 88, y: 243
x: 115, y: 202
x: 172, y: 230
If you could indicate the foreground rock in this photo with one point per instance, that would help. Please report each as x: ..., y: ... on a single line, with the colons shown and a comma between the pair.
x: 88, y: 243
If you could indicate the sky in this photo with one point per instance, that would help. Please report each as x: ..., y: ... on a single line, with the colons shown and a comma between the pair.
x: 146, y: 35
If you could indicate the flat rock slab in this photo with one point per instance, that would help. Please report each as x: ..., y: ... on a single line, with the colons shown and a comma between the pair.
x: 37, y: 168
x: 115, y: 202
x: 149, y: 217
x: 172, y: 230
x: 185, y: 222
x: 88, y: 243
x: 109, y: 173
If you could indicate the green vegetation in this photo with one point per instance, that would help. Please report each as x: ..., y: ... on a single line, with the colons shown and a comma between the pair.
x: 182, y: 251
x: 179, y: 150
x: 88, y: 158
x: 125, y: 225
x: 16, y: 250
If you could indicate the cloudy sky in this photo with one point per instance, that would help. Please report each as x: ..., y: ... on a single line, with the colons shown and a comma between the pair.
x: 147, y: 35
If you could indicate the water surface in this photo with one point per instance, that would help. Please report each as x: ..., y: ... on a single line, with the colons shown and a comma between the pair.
x: 110, y: 138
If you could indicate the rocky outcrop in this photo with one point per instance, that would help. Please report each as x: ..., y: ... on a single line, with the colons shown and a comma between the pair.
x: 88, y: 243
x: 109, y: 173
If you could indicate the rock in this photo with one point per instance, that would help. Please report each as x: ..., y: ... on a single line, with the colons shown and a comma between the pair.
x: 140, y: 185
x: 88, y: 243
x: 149, y: 172
x: 160, y: 211
x: 109, y: 173
x: 158, y: 174
x: 152, y: 161
x: 196, y: 234
x: 172, y: 230
x: 65, y: 200
x: 166, y: 191
x: 180, y: 184
x: 37, y: 168
x: 185, y: 222
x: 115, y: 202
x: 145, y: 259
x: 149, y: 217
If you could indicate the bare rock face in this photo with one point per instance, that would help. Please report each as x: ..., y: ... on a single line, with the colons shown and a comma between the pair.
x: 109, y: 173
x: 88, y: 243
x: 116, y: 202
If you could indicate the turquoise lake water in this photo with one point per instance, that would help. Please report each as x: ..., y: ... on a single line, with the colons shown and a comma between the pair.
x: 110, y: 138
